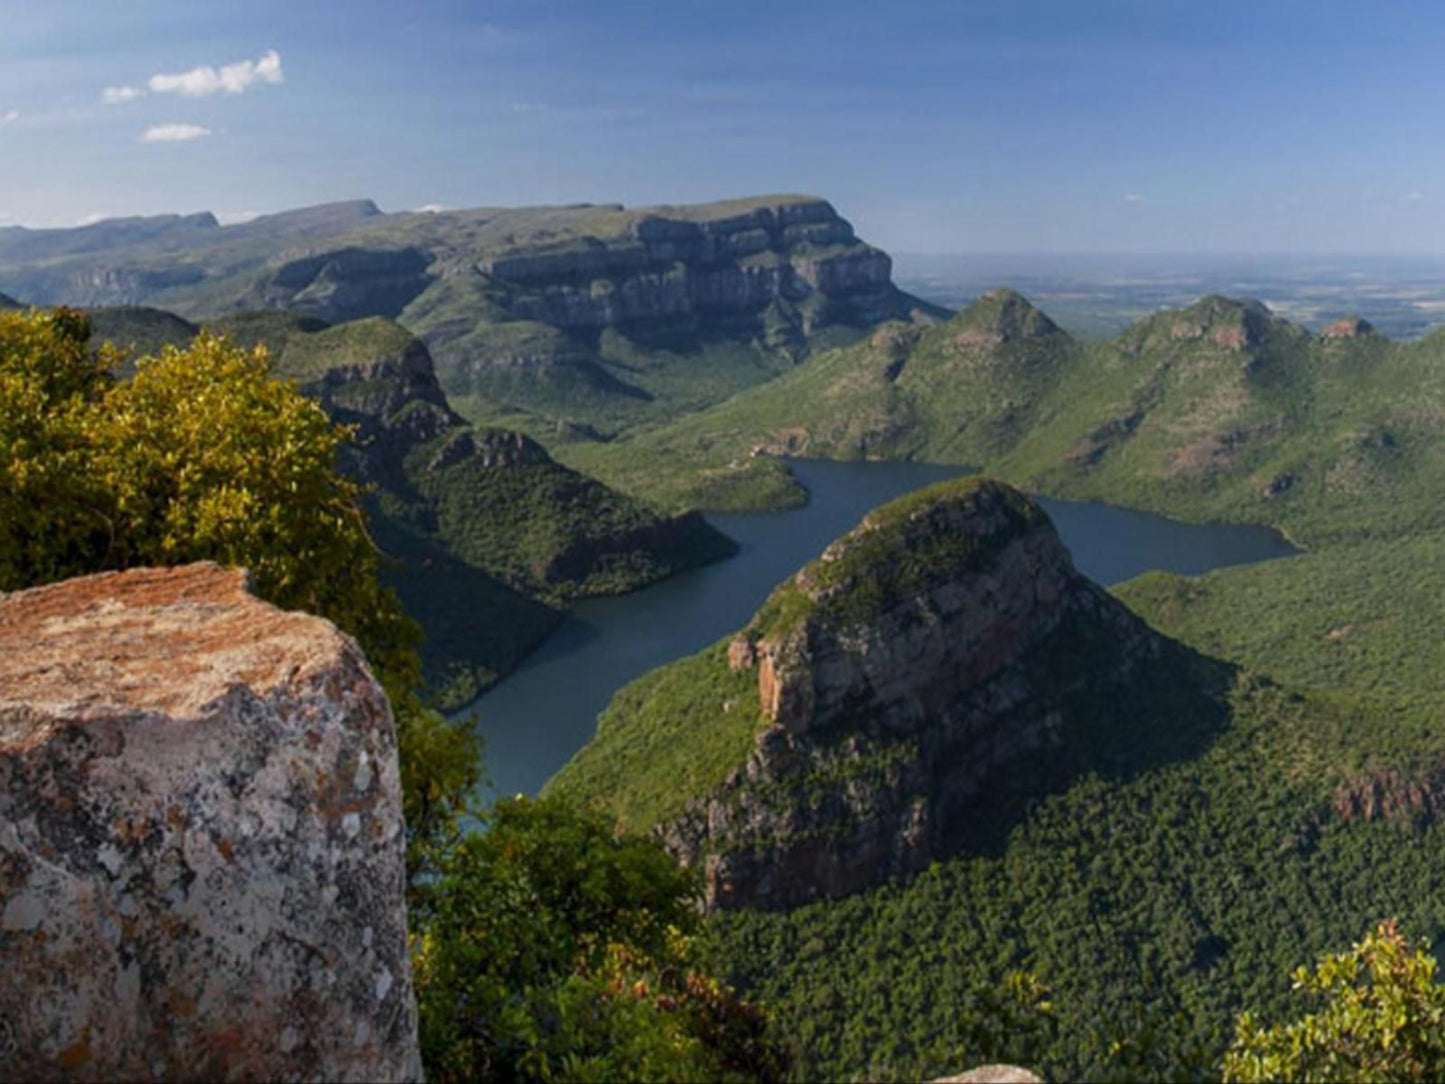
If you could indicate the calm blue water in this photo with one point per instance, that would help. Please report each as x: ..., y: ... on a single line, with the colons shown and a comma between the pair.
x: 537, y: 718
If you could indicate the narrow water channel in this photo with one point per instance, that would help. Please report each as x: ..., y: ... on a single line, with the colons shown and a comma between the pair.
x: 539, y: 716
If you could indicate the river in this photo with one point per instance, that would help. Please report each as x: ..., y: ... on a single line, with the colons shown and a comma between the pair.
x: 543, y: 713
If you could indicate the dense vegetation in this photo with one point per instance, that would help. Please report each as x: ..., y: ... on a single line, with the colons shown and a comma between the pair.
x: 1382, y: 1018
x: 1157, y: 906
x: 488, y: 537
x: 546, y: 948
x: 552, y: 949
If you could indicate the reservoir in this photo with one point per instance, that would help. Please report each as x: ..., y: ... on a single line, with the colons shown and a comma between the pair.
x: 534, y: 720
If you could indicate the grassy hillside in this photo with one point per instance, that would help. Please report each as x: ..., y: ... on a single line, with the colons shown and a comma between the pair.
x: 1217, y: 411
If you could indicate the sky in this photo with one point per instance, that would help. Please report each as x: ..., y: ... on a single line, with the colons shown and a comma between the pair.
x: 935, y: 127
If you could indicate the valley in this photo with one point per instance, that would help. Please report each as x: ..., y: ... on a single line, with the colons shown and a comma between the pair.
x: 606, y: 643
x: 1049, y: 730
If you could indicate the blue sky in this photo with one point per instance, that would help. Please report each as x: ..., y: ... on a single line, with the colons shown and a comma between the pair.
x: 935, y: 126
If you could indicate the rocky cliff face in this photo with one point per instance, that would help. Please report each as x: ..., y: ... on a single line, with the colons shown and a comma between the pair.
x: 945, y: 638
x: 201, y: 841
x: 672, y: 262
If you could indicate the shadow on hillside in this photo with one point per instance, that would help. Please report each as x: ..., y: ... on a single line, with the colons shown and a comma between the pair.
x: 477, y: 629
x: 1169, y: 710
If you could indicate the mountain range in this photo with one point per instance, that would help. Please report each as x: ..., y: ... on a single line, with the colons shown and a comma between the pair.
x: 937, y: 753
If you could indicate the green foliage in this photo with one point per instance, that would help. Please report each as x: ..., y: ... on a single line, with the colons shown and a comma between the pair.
x: 551, y: 949
x: 203, y: 456
x: 200, y: 457
x: 665, y: 738
x: 547, y: 530
x: 1381, y: 1018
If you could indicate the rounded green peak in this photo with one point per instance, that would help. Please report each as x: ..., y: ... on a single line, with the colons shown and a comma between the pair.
x: 1004, y: 315
x: 1229, y: 322
x: 943, y: 531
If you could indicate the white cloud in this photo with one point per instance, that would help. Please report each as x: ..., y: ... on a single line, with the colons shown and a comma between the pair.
x: 231, y: 78
x: 10, y: 116
x: 173, y: 133
x: 430, y: 209
x: 1414, y: 197
x: 91, y: 219
x: 1133, y: 197
x: 235, y: 218
x: 120, y: 95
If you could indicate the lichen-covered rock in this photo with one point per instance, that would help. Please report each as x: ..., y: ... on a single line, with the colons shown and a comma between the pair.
x: 201, y: 839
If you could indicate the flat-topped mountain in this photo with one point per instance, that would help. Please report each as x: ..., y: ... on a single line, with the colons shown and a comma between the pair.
x: 597, y: 316
x: 936, y: 656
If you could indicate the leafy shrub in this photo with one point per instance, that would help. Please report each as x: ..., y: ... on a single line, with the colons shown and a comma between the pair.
x: 1382, y: 1018
x: 552, y: 949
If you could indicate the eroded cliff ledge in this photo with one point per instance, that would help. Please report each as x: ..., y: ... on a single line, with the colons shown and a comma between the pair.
x: 201, y: 840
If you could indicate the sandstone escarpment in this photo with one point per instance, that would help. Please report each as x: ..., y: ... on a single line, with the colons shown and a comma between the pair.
x: 201, y: 840
x: 924, y: 653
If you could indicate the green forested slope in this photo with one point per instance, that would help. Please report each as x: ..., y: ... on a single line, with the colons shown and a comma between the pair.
x: 1216, y: 411
x: 489, y: 537
x: 1160, y: 903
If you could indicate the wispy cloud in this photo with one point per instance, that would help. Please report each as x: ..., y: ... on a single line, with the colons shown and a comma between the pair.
x: 91, y: 219
x: 205, y: 80
x: 430, y: 209
x: 1133, y: 197
x: 1414, y: 197
x: 9, y: 116
x: 230, y: 79
x: 235, y: 218
x: 120, y: 95
x: 173, y: 133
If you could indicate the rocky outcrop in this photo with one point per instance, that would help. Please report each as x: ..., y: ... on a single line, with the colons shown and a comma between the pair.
x: 672, y: 262
x: 1408, y: 800
x: 945, y: 637
x: 201, y: 840
x: 1347, y: 327
x: 347, y: 283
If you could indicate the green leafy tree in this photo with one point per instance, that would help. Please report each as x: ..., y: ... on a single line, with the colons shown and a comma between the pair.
x: 546, y: 948
x: 202, y: 455
x: 552, y: 949
x: 1382, y: 1019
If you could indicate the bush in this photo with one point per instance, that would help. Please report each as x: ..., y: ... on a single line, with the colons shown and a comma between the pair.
x: 552, y: 949
x: 1382, y: 1018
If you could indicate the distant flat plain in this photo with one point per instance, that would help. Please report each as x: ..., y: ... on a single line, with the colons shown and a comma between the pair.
x: 1099, y: 295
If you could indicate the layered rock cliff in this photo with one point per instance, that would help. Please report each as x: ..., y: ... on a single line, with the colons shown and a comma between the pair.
x: 894, y: 684
x: 585, y: 313
x: 201, y: 840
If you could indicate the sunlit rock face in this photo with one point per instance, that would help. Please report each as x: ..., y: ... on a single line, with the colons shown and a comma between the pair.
x: 201, y: 839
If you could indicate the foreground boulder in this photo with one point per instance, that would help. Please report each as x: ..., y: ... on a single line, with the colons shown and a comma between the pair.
x: 201, y: 839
